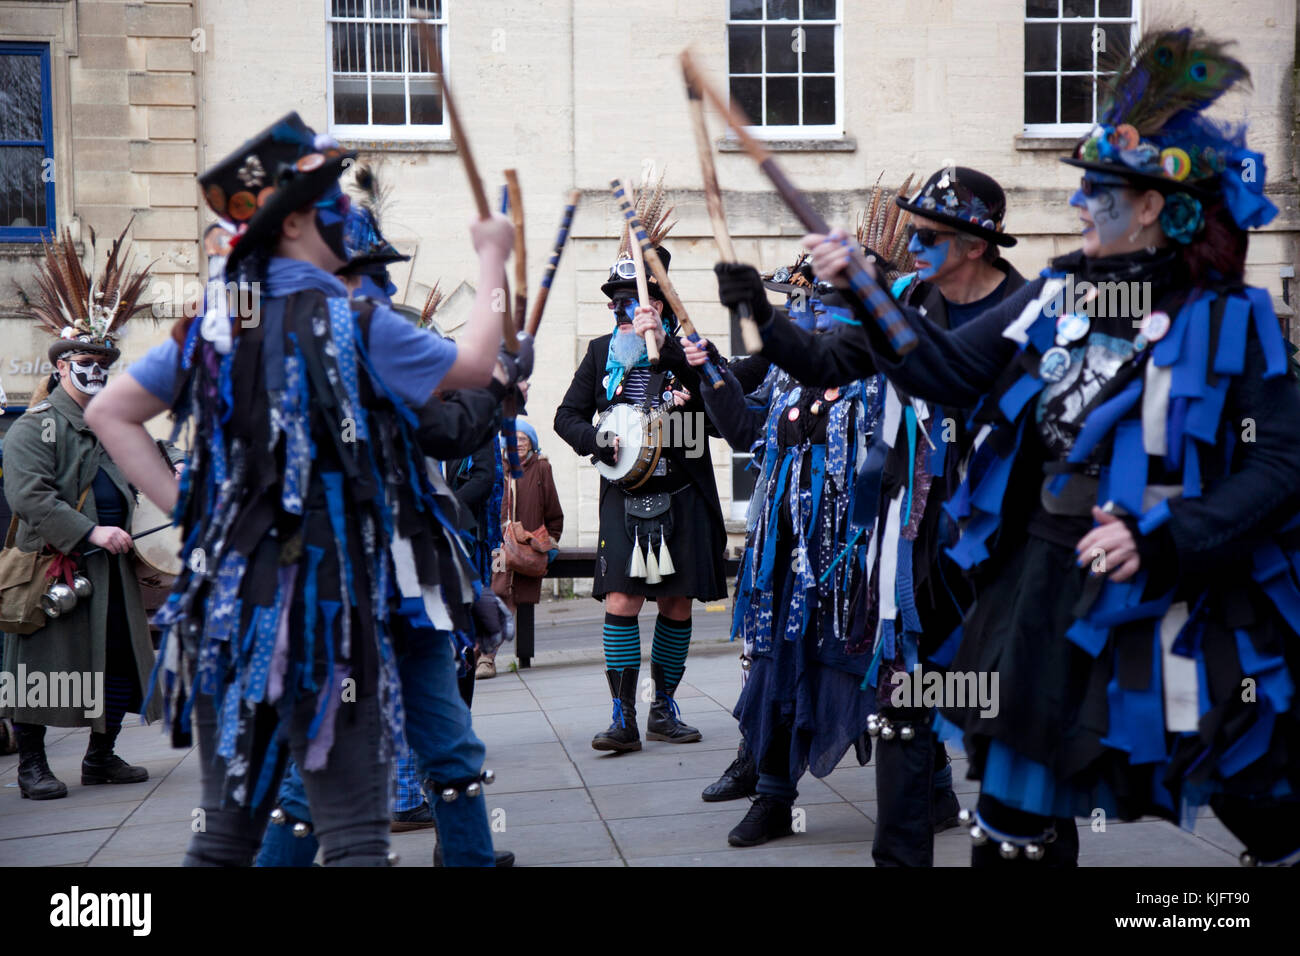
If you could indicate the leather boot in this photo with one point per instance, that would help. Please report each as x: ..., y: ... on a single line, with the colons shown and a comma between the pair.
x: 738, y: 780
x: 622, y: 734
x: 665, y: 717
x: 35, y: 780
x: 101, y: 765
x: 767, y: 819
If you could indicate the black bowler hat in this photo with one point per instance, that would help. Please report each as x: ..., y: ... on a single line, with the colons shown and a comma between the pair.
x: 965, y: 199
x: 277, y: 172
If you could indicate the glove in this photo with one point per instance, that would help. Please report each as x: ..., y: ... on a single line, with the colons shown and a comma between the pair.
x: 517, y: 366
x: 740, y: 283
x: 606, y: 453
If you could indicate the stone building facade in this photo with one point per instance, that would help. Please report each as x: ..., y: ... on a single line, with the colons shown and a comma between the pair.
x: 573, y: 93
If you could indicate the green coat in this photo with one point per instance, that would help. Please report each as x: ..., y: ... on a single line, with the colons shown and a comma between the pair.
x: 50, y: 458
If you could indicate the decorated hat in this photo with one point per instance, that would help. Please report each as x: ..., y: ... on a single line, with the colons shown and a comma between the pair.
x: 368, y: 250
x: 1152, y: 131
x: 967, y: 200
x: 277, y: 172
x: 649, y: 204
x: 87, y: 316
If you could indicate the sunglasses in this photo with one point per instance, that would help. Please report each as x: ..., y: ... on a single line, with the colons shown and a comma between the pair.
x: 927, y: 237
x: 102, y: 362
x: 1091, y: 187
x: 623, y: 308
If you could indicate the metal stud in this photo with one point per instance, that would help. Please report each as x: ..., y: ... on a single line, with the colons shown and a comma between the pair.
x: 873, y: 725
x: 965, y: 817
x: 393, y: 858
x: 887, y: 731
x: 489, y: 777
x: 1008, y: 851
x: 1034, y: 851
x: 450, y: 794
x: 978, y: 836
x: 301, y: 829
x: 279, y: 817
x: 1248, y: 859
x: 473, y: 790
x: 906, y: 732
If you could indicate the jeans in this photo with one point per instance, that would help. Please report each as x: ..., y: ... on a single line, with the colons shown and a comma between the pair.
x: 447, y: 752
x: 349, y: 797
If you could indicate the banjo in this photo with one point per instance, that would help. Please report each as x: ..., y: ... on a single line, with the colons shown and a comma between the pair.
x: 640, y: 443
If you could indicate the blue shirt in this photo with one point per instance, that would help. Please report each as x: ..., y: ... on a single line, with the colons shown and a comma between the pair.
x: 409, y: 361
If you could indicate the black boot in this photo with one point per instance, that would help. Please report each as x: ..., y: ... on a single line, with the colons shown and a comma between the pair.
x: 944, y: 805
x: 767, y: 819
x: 101, y: 765
x: 738, y: 780
x: 622, y: 734
x: 35, y: 780
x: 665, y: 717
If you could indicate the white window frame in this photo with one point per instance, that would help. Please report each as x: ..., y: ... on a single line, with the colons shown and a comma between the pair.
x: 371, y: 131
x: 1072, y: 129
x: 795, y: 132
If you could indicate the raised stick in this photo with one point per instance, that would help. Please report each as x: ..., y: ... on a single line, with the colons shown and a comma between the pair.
x: 642, y: 241
x: 429, y: 47
x: 539, y: 304
x: 642, y: 289
x: 521, y: 252
x: 882, y: 308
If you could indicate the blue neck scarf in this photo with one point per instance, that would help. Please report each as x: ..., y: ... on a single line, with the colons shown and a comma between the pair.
x: 287, y: 276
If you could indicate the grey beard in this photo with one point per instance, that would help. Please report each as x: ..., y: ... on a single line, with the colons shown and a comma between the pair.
x: 627, y: 347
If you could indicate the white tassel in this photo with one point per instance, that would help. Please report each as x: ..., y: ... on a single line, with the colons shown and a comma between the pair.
x: 638, y: 563
x: 652, y: 575
x: 665, y: 559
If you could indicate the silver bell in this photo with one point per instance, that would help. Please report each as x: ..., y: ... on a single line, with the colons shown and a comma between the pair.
x: 489, y: 777
x: 1248, y: 859
x: 873, y: 725
x: 965, y: 817
x: 279, y: 817
x: 301, y: 829
x: 1034, y: 851
x: 745, y: 663
x: 906, y: 732
x: 473, y: 790
x: 450, y: 794
x: 887, y: 731
x: 59, y: 599
x: 1008, y: 851
x: 978, y: 836
x: 393, y: 858
x: 81, y: 586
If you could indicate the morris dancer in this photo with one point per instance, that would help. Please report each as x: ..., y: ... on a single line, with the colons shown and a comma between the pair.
x: 1131, y: 501
x: 672, y: 521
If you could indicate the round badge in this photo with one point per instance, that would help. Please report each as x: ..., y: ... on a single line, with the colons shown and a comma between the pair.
x: 242, y: 206
x: 216, y: 197
x: 1176, y: 163
x: 1054, y: 364
x: 794, y: 415
x: 1156, y: 326
x: 1125, y: 137
x: 311, y: 161
x: 1140, y: 342
x: 794, y: 397
x: 831, y: 394
x: 264, y: 195
x: 619, y: 390
x: 605, y: 382
x: 1072, y: 327
x: 667, y: 397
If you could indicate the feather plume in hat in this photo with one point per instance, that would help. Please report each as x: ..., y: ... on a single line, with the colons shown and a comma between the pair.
x: 431, y: 304
x: 653, y: 210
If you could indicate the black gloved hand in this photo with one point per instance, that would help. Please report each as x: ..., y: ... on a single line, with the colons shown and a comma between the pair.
x: 737, y: 283
x: 520, y: 365
x: 606, y: 453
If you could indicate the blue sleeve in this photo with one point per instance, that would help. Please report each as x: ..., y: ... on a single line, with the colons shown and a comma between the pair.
x: 409, y: 361
x: 156, y: 371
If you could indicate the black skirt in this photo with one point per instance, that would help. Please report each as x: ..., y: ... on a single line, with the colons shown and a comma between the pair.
x: 697, y: 546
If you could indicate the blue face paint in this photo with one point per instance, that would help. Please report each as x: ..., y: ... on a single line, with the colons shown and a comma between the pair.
x: 935, y: 255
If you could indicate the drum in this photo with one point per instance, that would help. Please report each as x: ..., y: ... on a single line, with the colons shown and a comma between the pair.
x: 158, y: 558
x: 640, y: 443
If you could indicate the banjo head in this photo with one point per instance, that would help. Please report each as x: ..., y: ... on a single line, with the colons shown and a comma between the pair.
x: 629, y: 423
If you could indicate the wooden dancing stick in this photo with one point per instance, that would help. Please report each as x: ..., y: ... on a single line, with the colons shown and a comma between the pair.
x: 868, y: 291
x: 539, y: 304
x: 641, y: 241
x: 642, y: 287
x: 429, y: 48
x: 521, y: 252
x: 717, y: 212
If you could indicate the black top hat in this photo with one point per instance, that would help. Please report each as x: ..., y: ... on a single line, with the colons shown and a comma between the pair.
x: 972, y: 202
x: 278, y: 171
x: 623, y: 280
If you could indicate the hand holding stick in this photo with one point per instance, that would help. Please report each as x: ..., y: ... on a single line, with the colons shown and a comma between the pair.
x: 643, y: 294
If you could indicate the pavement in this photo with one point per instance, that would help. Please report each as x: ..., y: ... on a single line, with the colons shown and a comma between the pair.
x: 556, y: 802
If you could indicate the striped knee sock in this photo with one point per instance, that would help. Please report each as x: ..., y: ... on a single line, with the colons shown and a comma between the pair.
x: 672, y: 641
x: 622, y: 642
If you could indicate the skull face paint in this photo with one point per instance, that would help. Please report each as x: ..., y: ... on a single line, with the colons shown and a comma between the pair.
x: 87, y: 377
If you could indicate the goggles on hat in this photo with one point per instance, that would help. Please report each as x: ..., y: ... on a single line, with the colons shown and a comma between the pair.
x: 623, y: 269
